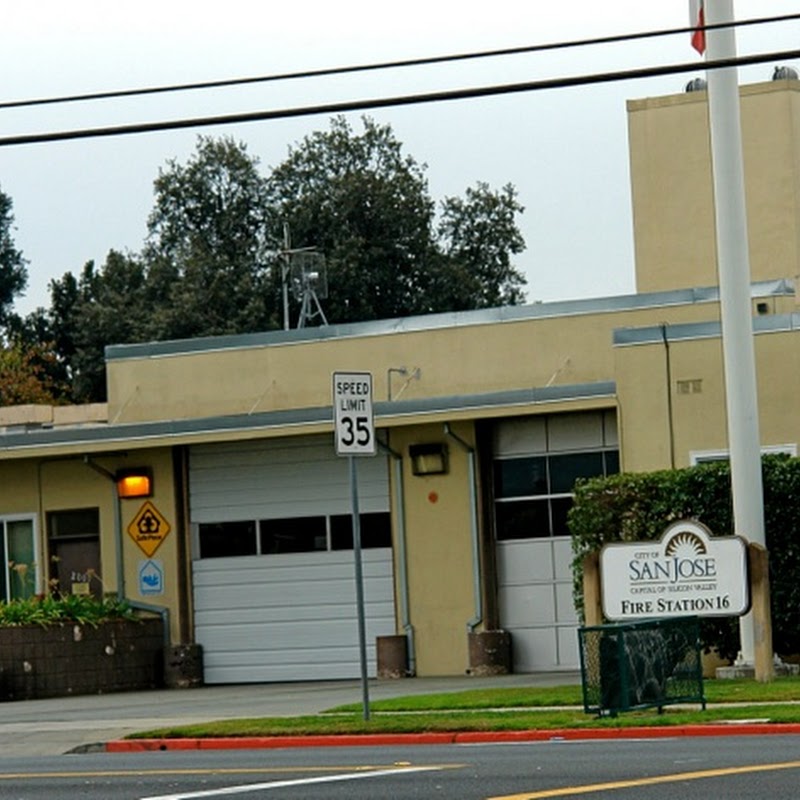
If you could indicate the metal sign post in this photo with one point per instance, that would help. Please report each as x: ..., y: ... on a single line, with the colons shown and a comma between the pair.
x: 355, y: 436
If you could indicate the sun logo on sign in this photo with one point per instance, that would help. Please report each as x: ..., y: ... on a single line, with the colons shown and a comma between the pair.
x: 685, y: 545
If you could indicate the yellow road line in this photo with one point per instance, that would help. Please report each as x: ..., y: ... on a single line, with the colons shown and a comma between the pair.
x: 570, y: 791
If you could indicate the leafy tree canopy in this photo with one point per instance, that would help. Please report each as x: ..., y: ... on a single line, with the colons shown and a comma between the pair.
x: 13, y: 272
x: 365, y: 206
x: 99, y: 307
x: 479, y: 235
x: 25, y: 375
x: 206, y: 251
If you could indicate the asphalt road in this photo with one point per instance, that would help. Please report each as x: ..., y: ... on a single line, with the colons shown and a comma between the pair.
x: 731, y: 767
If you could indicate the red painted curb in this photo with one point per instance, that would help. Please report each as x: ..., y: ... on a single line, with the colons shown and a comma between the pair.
x: 465, y: 737
x: 665, y: 732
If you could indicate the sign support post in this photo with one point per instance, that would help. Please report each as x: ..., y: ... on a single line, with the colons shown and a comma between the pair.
x: 355, y: 436
x: 359, y: 574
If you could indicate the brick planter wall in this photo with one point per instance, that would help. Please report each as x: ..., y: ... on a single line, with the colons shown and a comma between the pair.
x: 117, y: 656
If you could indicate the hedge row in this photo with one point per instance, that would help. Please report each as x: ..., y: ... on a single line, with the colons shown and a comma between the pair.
x: 638, y: 507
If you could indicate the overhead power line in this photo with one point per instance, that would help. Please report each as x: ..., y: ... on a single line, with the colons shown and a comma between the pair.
x: 384, y: 65
x: 403, y: 100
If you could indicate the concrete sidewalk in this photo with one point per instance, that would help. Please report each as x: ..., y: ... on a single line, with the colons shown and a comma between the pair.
x: 59, y: 725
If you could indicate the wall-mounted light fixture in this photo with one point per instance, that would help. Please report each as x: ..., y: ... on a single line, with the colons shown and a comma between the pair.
x: 429, y: 458
x: 136, y: 482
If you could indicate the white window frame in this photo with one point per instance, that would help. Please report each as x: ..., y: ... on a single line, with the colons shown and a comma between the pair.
x: 38, y: 572
x: 704, y: 456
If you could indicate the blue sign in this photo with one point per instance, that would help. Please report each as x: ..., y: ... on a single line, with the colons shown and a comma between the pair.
x: 151, y: 577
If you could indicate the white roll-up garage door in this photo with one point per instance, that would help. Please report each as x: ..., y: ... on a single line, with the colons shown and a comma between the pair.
x: 273, y: 567
x: 536, y: 463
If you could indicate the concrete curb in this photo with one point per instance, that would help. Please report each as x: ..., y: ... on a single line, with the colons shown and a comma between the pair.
x: 462, y: 737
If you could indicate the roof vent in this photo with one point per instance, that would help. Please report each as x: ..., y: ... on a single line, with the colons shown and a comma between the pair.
x: 696, y: 85
x: 784, y: 74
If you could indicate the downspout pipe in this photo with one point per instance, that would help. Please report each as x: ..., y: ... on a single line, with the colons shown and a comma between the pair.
x: 402, y: 557
x: 477, y: 582
x: 670, y: 413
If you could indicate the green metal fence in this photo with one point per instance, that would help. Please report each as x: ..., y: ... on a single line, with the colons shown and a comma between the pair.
x: 643, y: 664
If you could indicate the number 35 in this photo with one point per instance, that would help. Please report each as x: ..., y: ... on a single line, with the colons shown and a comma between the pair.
x: 355, y: 431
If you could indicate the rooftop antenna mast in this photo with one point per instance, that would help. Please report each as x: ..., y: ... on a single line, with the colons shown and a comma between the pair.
x: 310, y: 285
x: 302, y: 269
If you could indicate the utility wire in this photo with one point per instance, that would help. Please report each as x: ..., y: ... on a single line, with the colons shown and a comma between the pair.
x: 403, y: 100
x: 413, y: 62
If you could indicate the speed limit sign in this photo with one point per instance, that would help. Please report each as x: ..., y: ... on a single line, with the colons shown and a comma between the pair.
x: 352, y: 410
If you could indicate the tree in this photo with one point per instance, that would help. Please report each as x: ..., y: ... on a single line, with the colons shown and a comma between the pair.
x: 100, y: 307
x: 24, y: 376
x: 479, y: 234
x: 13, y: 272
x: 365, y: 206
x: 207, y: 247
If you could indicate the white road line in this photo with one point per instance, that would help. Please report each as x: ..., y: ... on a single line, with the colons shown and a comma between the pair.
x: 228, y: 791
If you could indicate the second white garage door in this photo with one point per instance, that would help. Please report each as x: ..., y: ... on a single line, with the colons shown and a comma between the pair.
x: 273, y: 567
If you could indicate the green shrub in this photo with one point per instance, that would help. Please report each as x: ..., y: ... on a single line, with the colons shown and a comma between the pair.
x: 62, y: 610
x: 638, y: 507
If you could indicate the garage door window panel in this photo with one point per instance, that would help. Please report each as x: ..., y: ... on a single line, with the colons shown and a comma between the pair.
x: 227, y: 539
x: 559, y: 509
x: 566, y: 469
x: 521, y: 477
x: 523, y: 519
x: 376, y: 531
x: 293, y: 535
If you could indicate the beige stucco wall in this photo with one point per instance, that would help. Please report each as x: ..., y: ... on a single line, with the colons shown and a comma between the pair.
x: 659, y: 430
x: 778, y: 368
x: 672, y: 193
x: 438, y: 548
x: 37, y: 487
x: 458, y: 360
x: 40, y: 414
x: 698, y: 418
x: 20, y: 493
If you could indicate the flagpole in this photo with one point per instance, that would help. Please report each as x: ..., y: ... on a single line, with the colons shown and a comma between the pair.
x: 733, y: 264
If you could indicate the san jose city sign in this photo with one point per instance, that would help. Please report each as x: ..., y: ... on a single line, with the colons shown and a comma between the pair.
x: 687, y: 572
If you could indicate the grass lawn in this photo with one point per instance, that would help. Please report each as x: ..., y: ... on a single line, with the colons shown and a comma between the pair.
x: 512, y: 709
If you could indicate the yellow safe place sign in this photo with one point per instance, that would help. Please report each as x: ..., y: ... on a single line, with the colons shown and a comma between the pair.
x: 148, y: 528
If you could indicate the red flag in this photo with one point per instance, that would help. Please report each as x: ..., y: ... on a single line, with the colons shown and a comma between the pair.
x: 697, y: 19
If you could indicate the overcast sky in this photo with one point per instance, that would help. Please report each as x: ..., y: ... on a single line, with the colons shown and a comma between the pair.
x: 565, y: 150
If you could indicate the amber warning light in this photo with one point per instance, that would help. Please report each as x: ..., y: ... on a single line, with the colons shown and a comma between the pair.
x: 135, y: 483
